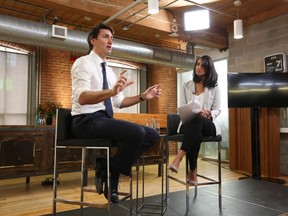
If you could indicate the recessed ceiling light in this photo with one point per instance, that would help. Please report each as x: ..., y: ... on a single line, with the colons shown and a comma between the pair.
x: 125, y: 28
x: 87, y: 18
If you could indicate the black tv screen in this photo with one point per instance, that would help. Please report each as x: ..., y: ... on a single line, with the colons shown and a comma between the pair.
x: 257, y: 90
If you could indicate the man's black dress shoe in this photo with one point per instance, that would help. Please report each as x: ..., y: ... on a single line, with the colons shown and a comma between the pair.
x: 100, y: 174
x: 114, y: 196
x: 114, y: 188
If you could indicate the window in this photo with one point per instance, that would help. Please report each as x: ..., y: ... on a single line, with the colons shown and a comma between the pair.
x: 132, y: 73
x: 14, y: 67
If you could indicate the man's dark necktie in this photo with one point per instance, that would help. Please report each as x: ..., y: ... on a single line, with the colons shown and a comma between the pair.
x: 107, y: 102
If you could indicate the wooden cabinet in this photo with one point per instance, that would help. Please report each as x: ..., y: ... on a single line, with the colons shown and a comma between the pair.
x: 23, y: 150
x: 29, y: 150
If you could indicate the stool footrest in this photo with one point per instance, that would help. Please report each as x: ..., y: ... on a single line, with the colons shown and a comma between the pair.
x: 124, y: 196
x: 212, y: 181
x: 140, y: 209
x: 177, y: 180
x: 207, y: 183
x: 86, y: 189
x: 76, y: 202
x: 207, y: 178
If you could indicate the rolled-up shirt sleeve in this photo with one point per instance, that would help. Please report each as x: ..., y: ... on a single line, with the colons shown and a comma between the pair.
x: 85, y: 77
x: 81, y: 77
x: 117, y: 100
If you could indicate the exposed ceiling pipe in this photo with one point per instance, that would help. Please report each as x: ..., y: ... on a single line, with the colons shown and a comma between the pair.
x: 39, y: 34
x: 122, y: 11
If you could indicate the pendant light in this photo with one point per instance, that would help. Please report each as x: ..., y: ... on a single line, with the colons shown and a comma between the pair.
x: 153, y: 6
x: 238, y: 29
x: 238, y: 23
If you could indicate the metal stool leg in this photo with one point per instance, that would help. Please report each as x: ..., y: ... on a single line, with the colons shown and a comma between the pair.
x: 219, y: 176
x: 137, y: 186
x: 55, y: 181
x: 82, y: 179
x: 187, y: 183
x: 167, y: 170
x: 131, y: 192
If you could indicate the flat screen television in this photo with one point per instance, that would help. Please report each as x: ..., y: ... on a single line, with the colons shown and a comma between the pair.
x: 257, y: 90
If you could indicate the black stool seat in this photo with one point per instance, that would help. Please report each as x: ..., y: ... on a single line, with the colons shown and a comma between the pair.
x: 217, y: 138
x: 179, y: 138
x: 86, y: 142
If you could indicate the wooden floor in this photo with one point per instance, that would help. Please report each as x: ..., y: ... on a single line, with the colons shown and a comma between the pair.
x: 18, y: 198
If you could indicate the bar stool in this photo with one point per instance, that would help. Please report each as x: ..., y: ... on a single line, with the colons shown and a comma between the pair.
x: 173, y: 121
x: 65, y: 140
x: 156, y: 209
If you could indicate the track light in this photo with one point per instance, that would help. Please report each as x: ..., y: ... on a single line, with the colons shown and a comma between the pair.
x: 153, y: 6
x: 125, y: 28
x: 174, y: 29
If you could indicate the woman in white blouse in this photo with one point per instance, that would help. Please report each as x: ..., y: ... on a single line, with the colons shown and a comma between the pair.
x: 203, y: 88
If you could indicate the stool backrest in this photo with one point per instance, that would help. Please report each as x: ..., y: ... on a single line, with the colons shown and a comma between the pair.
x: 63, y: 124
x: 173, y: 121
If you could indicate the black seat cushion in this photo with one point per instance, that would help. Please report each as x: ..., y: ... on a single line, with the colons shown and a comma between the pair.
x: 179, y: 138
x: 173, y: 121
x: 86, y: 142
x: 65, y: 136
x: 64, y: 122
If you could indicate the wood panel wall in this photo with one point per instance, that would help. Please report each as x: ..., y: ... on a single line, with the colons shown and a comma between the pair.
x: 240, y: 141
x: 269, y: 121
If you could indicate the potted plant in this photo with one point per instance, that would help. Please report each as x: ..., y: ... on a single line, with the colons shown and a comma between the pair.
x: 46, y: 111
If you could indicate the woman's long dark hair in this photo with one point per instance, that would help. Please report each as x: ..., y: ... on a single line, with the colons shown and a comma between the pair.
x: 211, y: 76
x: 94, y: 32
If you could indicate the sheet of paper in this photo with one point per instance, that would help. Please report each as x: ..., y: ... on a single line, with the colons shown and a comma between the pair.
x: 188, y: 111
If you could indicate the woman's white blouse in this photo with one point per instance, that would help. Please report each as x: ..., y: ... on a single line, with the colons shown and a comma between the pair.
x: 211, y: 100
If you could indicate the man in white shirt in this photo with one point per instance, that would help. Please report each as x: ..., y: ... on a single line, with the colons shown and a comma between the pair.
x: 92, y: 113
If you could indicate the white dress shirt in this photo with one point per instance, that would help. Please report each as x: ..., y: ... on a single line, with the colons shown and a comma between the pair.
x: 86, y: 74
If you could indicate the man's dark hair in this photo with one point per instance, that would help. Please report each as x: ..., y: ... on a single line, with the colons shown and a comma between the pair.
x: 94, y: 32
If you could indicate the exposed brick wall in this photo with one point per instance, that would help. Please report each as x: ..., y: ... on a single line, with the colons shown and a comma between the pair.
x: 167, y: 78
x: 55, y: 78
x: 167, y: 102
